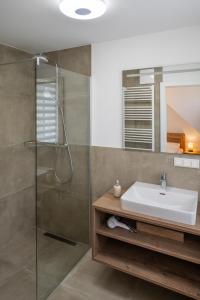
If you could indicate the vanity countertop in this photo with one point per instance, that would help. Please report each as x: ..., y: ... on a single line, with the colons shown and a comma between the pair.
x: 108, y: 203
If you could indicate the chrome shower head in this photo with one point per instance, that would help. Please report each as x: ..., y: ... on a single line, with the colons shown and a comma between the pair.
x: 40, y: 58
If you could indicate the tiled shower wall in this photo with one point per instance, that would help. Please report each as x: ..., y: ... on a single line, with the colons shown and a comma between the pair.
x: 64, y: 210
x: 77, y: 59
x: 109, y: 164
x: 17, y: 167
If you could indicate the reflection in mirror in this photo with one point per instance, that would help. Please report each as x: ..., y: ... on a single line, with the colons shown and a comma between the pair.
x: 182, y: 103
x: 162, y: 109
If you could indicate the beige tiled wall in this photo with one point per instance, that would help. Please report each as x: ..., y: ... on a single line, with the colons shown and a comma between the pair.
x: 77, y: 59
x: 17, y: 163
x: 64, y: 209
x: 109, y: 164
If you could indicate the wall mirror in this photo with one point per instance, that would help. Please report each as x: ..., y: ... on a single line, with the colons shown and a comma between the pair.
x: 161, y: 109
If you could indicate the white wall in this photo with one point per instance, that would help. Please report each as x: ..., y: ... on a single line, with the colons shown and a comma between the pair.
x: 110, y: 58
x: 185, y: 101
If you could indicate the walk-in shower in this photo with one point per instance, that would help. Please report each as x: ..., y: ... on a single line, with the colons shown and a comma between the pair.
x: 44, y: 195
x: 62, y: 161
x: 50, y: 112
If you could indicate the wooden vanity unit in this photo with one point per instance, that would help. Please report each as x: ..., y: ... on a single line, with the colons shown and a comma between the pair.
x: 161, y: 252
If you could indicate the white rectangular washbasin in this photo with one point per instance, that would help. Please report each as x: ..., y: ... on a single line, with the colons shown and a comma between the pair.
x: 172, y: 204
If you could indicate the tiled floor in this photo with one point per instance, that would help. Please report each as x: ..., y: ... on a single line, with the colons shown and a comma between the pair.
x: 55, y: 260
x: 17, y: 267
x: 90, y: 280
x: 18, y: 271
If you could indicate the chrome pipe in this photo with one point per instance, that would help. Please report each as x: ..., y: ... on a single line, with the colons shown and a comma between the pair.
x: 43, y: 144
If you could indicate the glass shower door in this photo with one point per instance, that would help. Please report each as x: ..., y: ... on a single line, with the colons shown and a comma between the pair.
x: 62, y: 173
x: 17, y: 180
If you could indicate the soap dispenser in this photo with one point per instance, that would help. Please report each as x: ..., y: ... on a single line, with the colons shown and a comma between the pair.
x: 117, y: 189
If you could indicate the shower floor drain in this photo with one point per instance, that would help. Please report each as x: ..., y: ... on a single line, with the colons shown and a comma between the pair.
x: 61, y: 239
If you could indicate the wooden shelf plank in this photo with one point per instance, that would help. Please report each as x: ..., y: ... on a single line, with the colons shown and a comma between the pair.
x: 189, y: 250
x: 111, y: 205
x: 153, y: 267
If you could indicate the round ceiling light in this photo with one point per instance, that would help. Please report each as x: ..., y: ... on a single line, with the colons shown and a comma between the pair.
x: 82, y: 9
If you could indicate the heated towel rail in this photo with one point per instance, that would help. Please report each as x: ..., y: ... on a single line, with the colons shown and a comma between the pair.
x: 138, y: 117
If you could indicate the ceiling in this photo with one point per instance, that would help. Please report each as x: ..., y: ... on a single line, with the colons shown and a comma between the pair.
x: 38, y: 25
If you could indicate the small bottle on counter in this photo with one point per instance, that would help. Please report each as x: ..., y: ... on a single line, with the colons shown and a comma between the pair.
x: 117, y: 189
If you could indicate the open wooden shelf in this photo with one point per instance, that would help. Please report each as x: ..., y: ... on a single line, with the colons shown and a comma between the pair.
x: 189, y: 250
x: 155, y: 268
x: 153, y: 255
x: 107, y: 203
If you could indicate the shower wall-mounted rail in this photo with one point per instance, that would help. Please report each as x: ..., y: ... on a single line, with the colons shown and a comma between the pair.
x: 43, y: 144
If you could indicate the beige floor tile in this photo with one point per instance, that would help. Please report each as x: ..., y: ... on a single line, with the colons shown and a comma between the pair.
x: 71, y: 294
x: 55, y: 260
x: 91, y: 280
x: 21, y: 286
x: 18, y: 261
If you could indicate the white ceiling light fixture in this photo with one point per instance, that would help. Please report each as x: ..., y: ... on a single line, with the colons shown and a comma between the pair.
x: 83, y: 9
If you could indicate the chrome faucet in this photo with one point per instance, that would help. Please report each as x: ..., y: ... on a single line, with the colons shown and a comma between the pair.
x: 163, y: 180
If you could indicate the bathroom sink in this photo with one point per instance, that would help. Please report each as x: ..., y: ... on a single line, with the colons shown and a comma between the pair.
x: 172, y: 204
